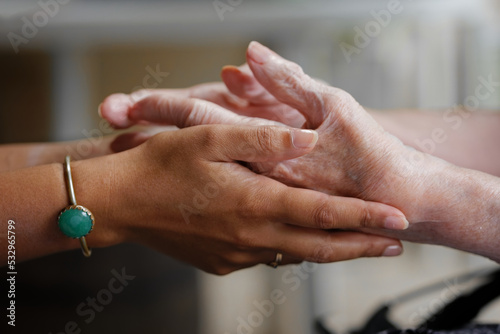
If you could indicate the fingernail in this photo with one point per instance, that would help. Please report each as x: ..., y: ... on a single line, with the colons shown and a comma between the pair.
x: 396, y: 223
x: 393, y: 251
x: 304, y: 138
x: 99, y: 110
x: 258, y: 52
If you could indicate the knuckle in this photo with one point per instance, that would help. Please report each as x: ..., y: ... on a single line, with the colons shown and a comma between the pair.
x: 339, y: 99
x: 364, y: 216
x: 265, y: 140
x: 138, y: 95
x: 198, y: 112
x: 293, y: 71
x: 209, y: 137
x: 370, y: 250
x: 293, y: 78
x: 325, y: 252
x: 324, y: 217
x: 339, y: 95
x: 252, y: 204
x: 328, y: 251
x: 245, y: 240
x: 162, y: 104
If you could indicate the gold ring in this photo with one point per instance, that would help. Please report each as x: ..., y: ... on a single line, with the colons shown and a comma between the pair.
x: 277, y: 261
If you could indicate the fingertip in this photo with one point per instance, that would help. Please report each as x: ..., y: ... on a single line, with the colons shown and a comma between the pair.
x: 303, y: 139
x: 385, y: 216
x: 393, y: 250
x: 396, y: 223
x: 235, y: 74
x: 230, y: 68
x: 115, y: 110
x: 243, y: 84
x: 229, y: 75
x: 258, y: 53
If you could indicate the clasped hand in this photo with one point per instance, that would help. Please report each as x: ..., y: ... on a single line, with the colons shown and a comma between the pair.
x: 226, y: 197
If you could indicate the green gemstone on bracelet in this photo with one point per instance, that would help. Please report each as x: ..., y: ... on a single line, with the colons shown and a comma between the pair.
x: 76, y: 221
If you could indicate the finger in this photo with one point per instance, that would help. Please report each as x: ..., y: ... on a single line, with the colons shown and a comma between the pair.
x: 245, y: 259
x: 259, y: 102
x: 288, y: 83
x: 115, y: 110
x: 241, y: 82
x: 285, y: 259
x: 186, y: 112
x: 308, y: 208
x: 116, y: 107
x: 256, y: 144
x: 301, y: 244
x: 325, y: 247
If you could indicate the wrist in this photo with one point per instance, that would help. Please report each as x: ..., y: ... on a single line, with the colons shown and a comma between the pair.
x: 96, y: 184
x: 426, y: 186
x: 451, y: 206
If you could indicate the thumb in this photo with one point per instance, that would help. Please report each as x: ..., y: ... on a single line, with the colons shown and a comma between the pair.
x: 259, y: 144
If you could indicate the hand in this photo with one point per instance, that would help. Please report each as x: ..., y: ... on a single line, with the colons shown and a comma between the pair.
x: 446, y: 205
x: 184, y: 193
x: 354, y: 157
x: 194, y: 105
x: 242, y: 95
x: 454, y: 207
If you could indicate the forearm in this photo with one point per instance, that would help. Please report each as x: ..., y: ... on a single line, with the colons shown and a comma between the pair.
x: 450, y: 206
x: 33, y: 197
x: 17, y: 156
x: 467, y: 212
x: 463, y: 138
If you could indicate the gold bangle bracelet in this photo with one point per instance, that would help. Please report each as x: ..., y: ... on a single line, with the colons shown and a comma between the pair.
x: 75, y: 221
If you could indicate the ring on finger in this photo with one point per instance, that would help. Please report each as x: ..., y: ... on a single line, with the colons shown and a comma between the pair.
x: 277, y: 261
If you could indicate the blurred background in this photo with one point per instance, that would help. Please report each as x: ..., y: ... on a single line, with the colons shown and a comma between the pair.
x: 60, y: 58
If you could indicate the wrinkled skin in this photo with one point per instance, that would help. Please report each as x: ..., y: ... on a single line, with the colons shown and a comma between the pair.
x: 354, y: 156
